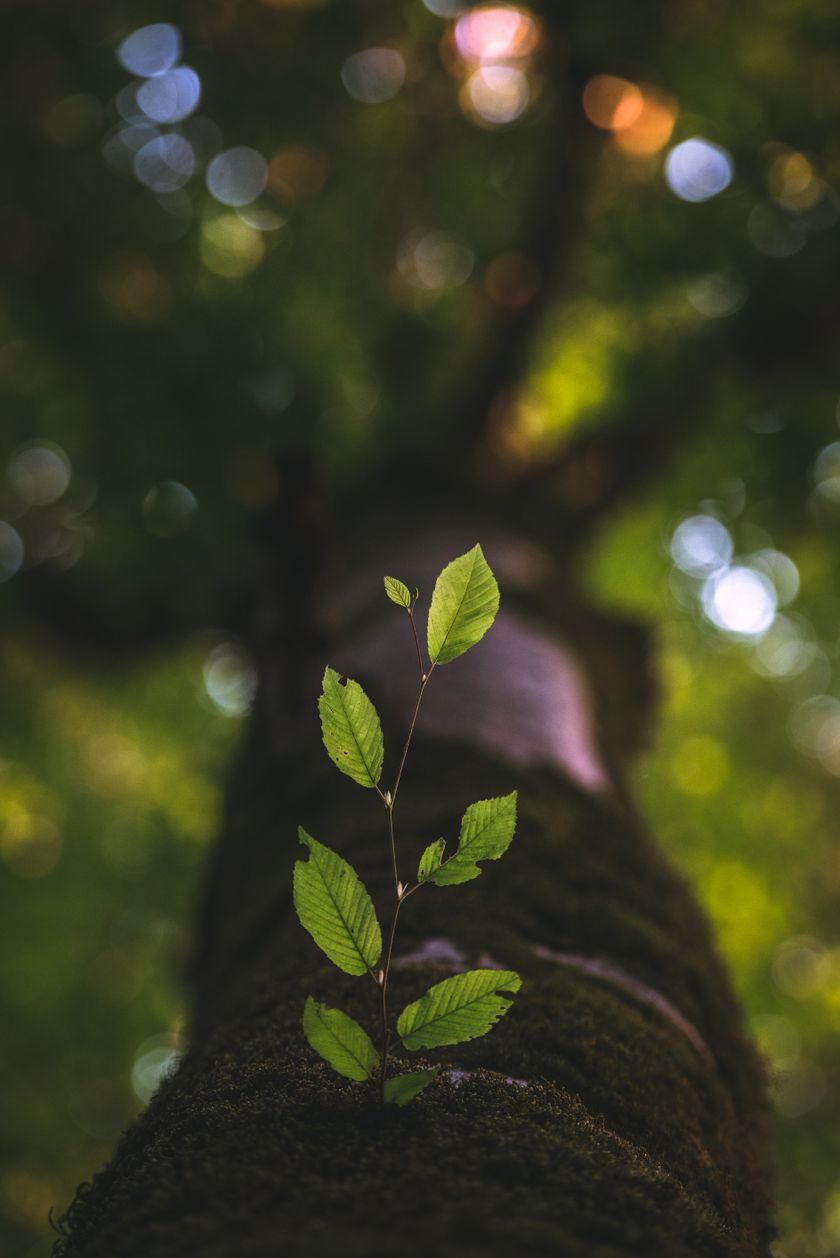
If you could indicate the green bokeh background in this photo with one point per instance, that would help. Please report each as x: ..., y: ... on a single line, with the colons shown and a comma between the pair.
x: 159, y: 340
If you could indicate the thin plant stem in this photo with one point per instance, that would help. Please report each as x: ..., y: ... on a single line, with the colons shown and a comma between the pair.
x: 390, y: 808
x: 384, y: 997
x: 417, y: 645
x: 389, y: 800
x: 423, y: 684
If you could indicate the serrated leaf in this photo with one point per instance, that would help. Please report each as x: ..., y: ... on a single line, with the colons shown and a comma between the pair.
x: 460, y: 1008
x: 340, y: 1040
x: 403, y: 1088
x: 334, y: 906
x: 351, y: 730
x: 397, y: 592
x: 487, y: 829
x: 430, y: 860
x: 464, y: 605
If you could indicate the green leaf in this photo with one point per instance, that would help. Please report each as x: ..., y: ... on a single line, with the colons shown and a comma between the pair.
x: 458, y: 1009
x: 487, y: 829
x: 351, y: 729
x: 453, y: 872
x: 430, y: 860
x: 335, y: 908
x: 397, y: 592
x: 403, y: 1088
x: 339, y: 1040
x: 464, y: 605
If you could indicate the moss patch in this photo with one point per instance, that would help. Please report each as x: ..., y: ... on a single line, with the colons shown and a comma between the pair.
x: 626, y: 1141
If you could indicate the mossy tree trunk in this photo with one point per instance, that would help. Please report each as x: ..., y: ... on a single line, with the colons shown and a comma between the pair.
x: 616, y: 1110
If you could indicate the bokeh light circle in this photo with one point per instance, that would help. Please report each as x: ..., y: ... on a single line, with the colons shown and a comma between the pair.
x: 786, y: 650
x: 740, y: 601
x: 716, y: 295
x: 498, y: 95
x: 612, y: 103
x: 781, y: 570
x: 170, y: 97
x: 165, y: 163
x: 701, y: 545
x: 237, y: 176
x: 495, y: 32
x: 39, y: 474
x: 168, y: 508
x: 651, y: 130
x: 11, y: 551
x: 698, y: 170
x: 374, y: 75
x: 154, y: 1061
x: 445, y: 8
x: 231, y: 247
x: 230, y: 679
x: 442, y: 261
x: 150, y: 50
x: 827, y: 472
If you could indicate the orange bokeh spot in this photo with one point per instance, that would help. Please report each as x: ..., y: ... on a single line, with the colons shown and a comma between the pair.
x: 652, y: 128
x: 612, y: 103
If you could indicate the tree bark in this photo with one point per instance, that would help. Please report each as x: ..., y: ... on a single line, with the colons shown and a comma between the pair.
x: 616, y: 1110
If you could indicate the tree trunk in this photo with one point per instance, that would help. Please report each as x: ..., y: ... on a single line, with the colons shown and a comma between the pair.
x: 616, y: 1110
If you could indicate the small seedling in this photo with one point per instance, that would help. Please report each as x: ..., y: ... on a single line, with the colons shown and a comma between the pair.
x: 333, y: 904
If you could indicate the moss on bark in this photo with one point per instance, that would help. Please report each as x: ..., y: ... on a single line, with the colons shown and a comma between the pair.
x: 626, y: 1139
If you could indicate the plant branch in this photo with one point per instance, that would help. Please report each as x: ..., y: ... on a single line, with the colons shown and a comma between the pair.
x: 384, y: 996
x: 417, y: 645
x: 390, y: 808
x: 389, y: 799
x: 423, y: 684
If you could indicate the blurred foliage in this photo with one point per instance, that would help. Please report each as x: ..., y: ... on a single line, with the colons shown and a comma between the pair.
x: 439, y: 237
x: 749, y: 816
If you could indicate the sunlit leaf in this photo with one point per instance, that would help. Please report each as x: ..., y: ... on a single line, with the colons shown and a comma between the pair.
x: 334, y: 906
x: 339, y: 1040
x: 454, y: 872
x: 430, y: 860
x: 464, y: 605
x: 397, y: 592
x: 351, y: 730
x: 487, y: 829
x: 403, y: 1088
x: 460, y: 1008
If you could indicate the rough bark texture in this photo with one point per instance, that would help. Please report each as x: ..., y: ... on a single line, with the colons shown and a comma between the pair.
x: 590, y: 1123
